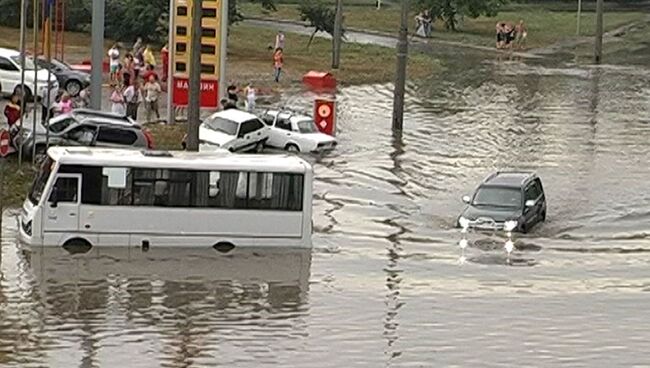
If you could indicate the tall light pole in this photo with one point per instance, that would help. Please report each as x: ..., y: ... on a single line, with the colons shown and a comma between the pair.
x: 171, y: 53
x: 578, y: 18
x: 338, y: 31
x: 97, y: 45
x: 23, y: 89
x: 194, y: 103
x: 35, y: 30
x: 598, y: 48
x: 223, y: 48
x: 400, y: 78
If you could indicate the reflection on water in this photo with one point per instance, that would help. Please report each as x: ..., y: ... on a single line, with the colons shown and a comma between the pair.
x: 384, y: 285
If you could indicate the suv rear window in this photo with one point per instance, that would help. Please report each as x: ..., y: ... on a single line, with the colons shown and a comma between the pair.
x: 116, y: 136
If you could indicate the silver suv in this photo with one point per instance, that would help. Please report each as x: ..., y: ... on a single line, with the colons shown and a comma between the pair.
x: 82, y: 127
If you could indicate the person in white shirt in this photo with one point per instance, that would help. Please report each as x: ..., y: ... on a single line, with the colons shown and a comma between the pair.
x: 249, y: 91
x: 114, y: 62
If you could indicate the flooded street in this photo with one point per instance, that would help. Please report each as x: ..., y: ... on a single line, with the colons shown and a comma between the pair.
x: 383, y: 285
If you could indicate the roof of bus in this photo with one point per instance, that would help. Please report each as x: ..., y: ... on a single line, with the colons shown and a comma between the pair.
x: 221, y: 160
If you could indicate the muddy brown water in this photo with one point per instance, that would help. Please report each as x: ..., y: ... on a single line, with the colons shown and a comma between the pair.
x: 383, y: 285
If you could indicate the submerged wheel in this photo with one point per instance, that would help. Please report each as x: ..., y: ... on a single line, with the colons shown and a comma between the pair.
x: 259, y: 147
x: 543, y: 216
x: 292, y: 148
x: 224, y: 247
x: 77, y: 246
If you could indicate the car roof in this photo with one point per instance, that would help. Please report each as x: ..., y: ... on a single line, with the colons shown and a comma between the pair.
x: 515, y: 179
x: 8, y: 52
x: 220, y: 159
x: 293, y: 116
x: 235, y: 115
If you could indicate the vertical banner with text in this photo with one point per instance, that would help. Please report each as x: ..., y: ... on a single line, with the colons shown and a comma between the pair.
x: 210, y: 52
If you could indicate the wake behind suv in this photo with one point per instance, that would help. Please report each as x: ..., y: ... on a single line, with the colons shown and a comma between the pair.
x: 505, y: 197
x: 82, y: 127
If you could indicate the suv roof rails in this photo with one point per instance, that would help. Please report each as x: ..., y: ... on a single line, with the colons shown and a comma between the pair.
x: 528, y: 175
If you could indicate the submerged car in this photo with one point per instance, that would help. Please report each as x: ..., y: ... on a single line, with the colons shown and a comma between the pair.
x: 82, y: 127
x: 505, y: 200
x: 233, y: 130
x: 296, y: 133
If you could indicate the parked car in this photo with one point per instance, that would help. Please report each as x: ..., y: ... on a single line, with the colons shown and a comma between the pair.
x: 296, y: 133
x: 234, y: 130
x: 72, y: 81
x: 505, y: 199
x: 10, y: 77
x: 83, y: 127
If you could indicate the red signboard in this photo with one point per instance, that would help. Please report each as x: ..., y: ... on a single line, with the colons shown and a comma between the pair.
x: 325, y: 116
x: 5, y: 140
x: 209, y: 92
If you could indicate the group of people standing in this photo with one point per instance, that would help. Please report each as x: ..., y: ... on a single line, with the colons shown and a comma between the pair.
x: 509, y: 35
x: 134, y: 81
x: 423, y: 24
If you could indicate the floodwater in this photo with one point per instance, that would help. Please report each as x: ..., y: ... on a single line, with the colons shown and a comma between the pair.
x: 384, y: 285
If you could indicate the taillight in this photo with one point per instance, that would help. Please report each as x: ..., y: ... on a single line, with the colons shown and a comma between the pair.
x: 149, y: 137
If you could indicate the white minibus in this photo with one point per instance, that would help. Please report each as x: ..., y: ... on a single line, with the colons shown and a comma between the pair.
x: 107, y: 197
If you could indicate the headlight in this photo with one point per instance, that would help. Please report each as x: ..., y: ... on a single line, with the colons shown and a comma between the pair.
x: 463, y: 222
x: 510, y: 225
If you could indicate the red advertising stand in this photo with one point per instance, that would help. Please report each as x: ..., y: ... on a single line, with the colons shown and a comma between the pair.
x: 325, y: 115
x: 209, y: 92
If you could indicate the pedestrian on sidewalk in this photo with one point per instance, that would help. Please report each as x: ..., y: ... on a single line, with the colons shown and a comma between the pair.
x: 149, y: 58
x: 278, y: 63
x: 250, y: 93
x: 149, y: 71
x: 132, y: 98
x: 521, y: 32
x: 129, y: 67
x: 152, y: 92
x: 137, y: 45
x: 12, y: 110
x: 232, y: 94
x: 117, y: 100
x: 138, y: 57
x: 114, y: 62
x: 279, y: 41
x: 164, y: 55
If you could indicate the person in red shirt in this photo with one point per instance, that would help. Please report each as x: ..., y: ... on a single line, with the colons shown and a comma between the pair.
x: 164, y: 55
x: 149, y: 71
x: 12, y: 110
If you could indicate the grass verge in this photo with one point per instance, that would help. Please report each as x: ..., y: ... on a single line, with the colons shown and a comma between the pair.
x: 545, y: 25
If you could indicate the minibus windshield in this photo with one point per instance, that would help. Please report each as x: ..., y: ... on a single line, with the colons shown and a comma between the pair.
x: 39, y: 183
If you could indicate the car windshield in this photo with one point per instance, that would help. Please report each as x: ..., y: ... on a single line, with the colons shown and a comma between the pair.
x: 222, y: 125
x: 307, y: 126
x: 497, y: 197
x: 60, y: 65
x: 38, y: 186
x: 29, y: 62
x: 61, y: 125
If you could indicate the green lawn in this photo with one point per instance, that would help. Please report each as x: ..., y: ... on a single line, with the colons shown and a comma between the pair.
x: 545, y: 26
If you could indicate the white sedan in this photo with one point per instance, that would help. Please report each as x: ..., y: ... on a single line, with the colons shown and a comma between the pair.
x: 296, y: 133
x: 233, y: 130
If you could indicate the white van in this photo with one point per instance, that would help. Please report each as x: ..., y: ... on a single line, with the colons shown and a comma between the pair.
x: 108, y: 197
x: 10, y: 77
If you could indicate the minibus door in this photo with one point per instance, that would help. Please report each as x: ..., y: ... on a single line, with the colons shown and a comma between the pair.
x: 62, y: 208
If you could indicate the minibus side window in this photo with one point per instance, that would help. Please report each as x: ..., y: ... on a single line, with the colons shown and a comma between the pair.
x: 41, y: 180
x: 65, y: 190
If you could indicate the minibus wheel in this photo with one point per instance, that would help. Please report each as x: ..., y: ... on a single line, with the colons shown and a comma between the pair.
x: 224, y: 247
x: 77, y: 246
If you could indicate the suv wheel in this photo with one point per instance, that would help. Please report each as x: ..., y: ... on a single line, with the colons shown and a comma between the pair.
x: 542, y: 216
x: 523, y: 228
x: 73, y: 87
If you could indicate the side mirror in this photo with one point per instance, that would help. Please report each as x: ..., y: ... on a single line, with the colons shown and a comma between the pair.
x: 530, y: 203
x: 466, y: 199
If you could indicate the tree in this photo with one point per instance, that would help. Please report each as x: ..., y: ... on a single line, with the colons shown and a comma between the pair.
x: 450, y: 11
x: 320, y: 16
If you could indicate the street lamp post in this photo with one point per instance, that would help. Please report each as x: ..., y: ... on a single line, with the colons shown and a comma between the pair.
x: 97, y: 45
